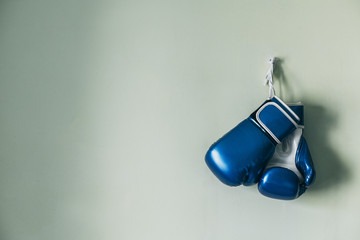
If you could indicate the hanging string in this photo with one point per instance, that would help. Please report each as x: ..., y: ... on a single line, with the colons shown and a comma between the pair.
x: 269, y: 77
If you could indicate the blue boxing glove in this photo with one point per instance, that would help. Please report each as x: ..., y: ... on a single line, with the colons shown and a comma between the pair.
x: 240, y: 156
x: 290, y: 171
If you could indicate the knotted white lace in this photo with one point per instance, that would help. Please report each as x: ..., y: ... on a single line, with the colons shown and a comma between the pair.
x: 269, y: 77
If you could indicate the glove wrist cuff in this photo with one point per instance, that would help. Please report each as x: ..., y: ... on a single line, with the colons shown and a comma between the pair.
x: 276, y: 118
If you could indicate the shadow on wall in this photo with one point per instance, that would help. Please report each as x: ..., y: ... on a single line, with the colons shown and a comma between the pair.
x: 283, y: 81
x: 331, y: 171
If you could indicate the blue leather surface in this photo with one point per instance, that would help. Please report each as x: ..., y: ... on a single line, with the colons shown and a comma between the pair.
x: 276, y: 121
x: 304, y: 163
x: 240, y: 155
x: 281, y: 104
x: 299, y: 111
x: 279, y: 183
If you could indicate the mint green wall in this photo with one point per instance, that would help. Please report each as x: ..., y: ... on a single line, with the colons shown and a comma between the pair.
x: 108, y: 107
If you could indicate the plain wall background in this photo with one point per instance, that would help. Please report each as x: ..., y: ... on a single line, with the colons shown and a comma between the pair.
x: 108, y: 107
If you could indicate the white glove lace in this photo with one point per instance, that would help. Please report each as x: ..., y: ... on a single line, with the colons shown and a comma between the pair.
x: 269, y: 77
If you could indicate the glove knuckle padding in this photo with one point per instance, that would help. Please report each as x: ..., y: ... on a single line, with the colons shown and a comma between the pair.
x: 240, y: 156
x: 274, y: 186
x: 229, y: 157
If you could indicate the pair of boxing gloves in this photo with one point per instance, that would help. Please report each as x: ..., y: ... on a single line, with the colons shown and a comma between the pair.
x: 266, y: 148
